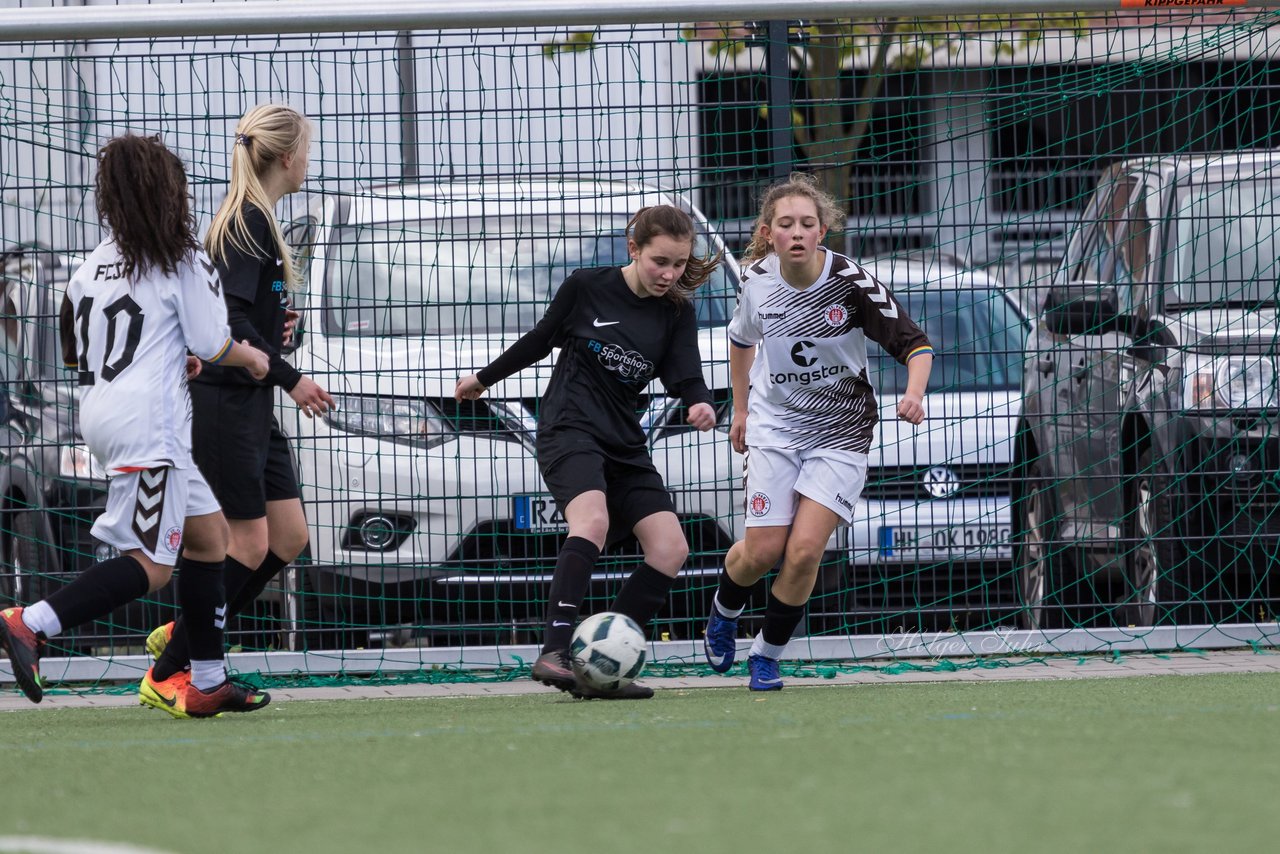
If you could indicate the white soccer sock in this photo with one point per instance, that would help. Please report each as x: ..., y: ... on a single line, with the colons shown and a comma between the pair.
x: 725, y: 612
x: 41, y: 618
x: 208, y: 674
x: 768, y: 650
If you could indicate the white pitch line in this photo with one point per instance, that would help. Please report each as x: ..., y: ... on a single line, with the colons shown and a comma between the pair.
x: 47, y: 845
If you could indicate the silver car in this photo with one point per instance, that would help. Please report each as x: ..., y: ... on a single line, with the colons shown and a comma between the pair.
x: 929, y: 544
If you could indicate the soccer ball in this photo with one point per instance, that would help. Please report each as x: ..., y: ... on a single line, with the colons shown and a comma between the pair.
x: 608, y: 651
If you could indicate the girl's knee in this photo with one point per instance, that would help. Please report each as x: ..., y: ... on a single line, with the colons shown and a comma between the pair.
x: 805, y: 558
x: 762, y: 554
x: 594, y: 527
x: 667, y: 558
x: 289, y: 544
x: 207, y: 540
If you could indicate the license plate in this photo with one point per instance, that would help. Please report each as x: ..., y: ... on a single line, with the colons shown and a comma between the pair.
x: 537, y: 513
x: 897, y: 541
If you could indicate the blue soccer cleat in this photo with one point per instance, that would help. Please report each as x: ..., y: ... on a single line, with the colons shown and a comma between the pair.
x: 720, y: 642
x: 764, y: 673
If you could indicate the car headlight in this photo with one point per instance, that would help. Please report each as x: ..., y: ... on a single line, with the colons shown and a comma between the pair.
x: 1237, y: 382
x: 75, y: 461
x: 394, y: 419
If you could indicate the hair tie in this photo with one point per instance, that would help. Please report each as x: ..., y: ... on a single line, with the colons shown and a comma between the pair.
x: 242, y: 139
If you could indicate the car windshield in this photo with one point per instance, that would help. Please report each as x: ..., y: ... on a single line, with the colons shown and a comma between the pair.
x: 1223, y: 246
x: 476, y: 276
x: 977, y: 337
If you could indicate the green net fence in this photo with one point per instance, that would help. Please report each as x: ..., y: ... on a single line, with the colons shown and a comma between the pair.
x: 1080, y: 209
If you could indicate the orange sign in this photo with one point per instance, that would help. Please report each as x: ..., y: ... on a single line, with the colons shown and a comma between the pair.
x: 1174, y: 4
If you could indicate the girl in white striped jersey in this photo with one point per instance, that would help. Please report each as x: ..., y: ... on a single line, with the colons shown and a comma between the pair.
x: 804, y: 407
x: 145, y: 297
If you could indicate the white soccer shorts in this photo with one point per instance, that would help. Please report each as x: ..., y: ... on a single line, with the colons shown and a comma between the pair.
x: 146, y: 510
x: 774, y: 477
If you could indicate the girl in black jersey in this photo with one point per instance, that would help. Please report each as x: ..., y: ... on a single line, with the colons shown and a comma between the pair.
x: 237, y: 442
x: 617, y: 328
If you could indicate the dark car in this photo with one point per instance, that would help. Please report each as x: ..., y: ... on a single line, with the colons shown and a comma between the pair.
x: 45, y: 533
x: 1147, y: 451
x: 22, y: 551
x: 56, y: 488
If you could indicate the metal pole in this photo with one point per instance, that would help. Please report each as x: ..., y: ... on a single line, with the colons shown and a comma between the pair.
x: 781, y: 140
x: 316, y: 16
x: 407, y: 72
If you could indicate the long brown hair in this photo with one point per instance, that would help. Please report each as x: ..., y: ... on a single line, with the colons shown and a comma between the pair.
x: 141, y: 194
x: 649, y: 222
x: 264, y: 135
x: 830, y: 213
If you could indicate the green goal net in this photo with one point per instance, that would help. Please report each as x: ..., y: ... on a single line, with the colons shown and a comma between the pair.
x: 1079, y: 208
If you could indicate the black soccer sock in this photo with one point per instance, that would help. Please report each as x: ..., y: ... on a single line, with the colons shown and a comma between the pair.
x: 99, y: 590
x: 780, y: 621
x: 177, y: 654
x: 730, y: 594
x: 204, y: 611
x: 643, y: 594
x: 235, y: 578
x: 249, y: 591
x: 569, y: 587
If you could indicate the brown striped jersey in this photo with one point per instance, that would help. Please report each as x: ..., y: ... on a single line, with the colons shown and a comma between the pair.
x: 809, y: 385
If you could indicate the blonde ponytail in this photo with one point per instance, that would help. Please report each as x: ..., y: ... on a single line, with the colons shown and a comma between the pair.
x: 264, y: 135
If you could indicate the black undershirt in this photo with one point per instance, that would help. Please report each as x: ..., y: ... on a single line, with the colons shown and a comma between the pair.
x: 254, y: 288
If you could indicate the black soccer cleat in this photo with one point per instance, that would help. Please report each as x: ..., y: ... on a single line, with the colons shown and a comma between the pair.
x: 232, y: 695
x: 630, y: 691
x: 555, y: 669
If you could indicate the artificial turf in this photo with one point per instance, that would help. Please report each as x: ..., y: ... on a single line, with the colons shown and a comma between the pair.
x: 1166, y: 763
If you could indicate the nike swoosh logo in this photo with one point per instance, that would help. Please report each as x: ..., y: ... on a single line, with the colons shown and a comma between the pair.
x: 559, y: 624
x: 167, y: 701
x: 598, y: 322
x: 567, y: 605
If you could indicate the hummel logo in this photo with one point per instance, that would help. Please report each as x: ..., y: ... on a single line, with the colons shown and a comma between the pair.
x: 598, y: 322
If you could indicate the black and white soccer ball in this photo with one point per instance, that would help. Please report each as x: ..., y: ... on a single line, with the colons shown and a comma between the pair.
x: 608, y: 651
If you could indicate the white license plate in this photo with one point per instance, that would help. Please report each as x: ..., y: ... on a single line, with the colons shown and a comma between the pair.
x: 900, y: 541
x: 537, y: 513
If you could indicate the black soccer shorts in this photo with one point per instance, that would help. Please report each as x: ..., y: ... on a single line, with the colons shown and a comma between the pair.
x: 240, y: 449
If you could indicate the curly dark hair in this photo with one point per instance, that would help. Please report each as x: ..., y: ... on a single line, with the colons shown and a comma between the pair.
x: 142, y: 198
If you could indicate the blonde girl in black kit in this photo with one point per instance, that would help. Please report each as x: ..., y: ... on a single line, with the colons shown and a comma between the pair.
x: 237, y: 442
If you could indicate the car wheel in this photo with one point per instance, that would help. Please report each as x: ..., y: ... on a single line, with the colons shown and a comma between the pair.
x: 1035, y: 534
x: 30, y: 556
x: 1154, y: 549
